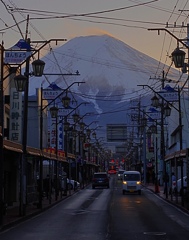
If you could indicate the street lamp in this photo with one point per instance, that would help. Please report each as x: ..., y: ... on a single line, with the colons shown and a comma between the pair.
x: 23, y: 179
x: 178, y: 57
x: 38, y: 67
x: 21, y: 80
x: 22, y: 84
x: 65, y: 102
x: 54, y: 114
x: 166, y: 111
x: 66, y: 129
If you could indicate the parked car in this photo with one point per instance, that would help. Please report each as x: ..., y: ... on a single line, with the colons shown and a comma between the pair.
x: 120, y: 174
x: 100, y: 179
x: 71, y: 183
x: 179, y: 189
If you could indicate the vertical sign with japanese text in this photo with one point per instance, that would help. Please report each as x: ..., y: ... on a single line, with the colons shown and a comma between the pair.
x: 15, y: 115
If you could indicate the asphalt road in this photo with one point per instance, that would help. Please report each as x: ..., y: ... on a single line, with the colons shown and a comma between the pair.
x: 145, y: 216
x: 105, y: 214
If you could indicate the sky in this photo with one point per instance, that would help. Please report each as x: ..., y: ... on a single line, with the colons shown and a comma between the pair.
x: 126, y: 20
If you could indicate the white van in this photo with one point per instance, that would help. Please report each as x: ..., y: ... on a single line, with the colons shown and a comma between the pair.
x: 131, y: 182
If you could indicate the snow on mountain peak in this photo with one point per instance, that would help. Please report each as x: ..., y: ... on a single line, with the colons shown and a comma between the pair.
x: 108, y: 67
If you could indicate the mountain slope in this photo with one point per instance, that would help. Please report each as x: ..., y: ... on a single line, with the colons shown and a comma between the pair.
x: 110, y: 69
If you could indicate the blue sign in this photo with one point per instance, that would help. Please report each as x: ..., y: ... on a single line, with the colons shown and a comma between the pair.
x: 18, y: 53
x: 169, y: 94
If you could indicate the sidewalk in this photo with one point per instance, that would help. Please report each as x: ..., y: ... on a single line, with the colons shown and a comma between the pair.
x: 12, y: 217
x: 172, y: 199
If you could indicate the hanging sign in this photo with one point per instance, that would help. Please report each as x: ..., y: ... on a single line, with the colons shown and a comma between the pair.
x: 169, y: 94
x: 51, y: 92
x: 153, y: 113
x: 18, y: 53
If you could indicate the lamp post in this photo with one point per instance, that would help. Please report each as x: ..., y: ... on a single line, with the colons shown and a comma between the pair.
x: 25, y: 78
x: 76, y: 133
x: 65, y: 102
x: 22, y: 84
x: 54, y: 114
x: 1, y: 139
x: 66, y: 128
x: 22, y: 178
x: 178, y: 57
x: 166, y: 111
x: 2, y: 78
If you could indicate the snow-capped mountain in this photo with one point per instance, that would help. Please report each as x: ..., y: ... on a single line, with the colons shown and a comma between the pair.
x: 111, y: 70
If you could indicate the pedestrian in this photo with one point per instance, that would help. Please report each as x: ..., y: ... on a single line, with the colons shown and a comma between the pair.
x: 148, y: 177
x: 173, y: 184
x: 153, y: 177
x: 166, y: 182
x: 47, y: 186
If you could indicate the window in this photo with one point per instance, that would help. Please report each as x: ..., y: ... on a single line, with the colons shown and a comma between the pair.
x: 132, y: 177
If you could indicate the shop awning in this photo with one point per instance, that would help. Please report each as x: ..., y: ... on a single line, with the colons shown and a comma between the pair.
x: 12, y: 146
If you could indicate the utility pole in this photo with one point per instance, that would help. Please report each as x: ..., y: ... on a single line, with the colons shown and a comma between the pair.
x: 1, y: 139
x: 162, y: 145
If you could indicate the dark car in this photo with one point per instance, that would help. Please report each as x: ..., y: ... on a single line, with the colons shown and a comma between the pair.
x: 100, y: 179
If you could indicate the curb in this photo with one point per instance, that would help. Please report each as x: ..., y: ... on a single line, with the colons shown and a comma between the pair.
x: 183, y: 209
x: 30, y: 215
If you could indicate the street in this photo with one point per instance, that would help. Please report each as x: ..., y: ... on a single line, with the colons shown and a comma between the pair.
x: 105, y: 214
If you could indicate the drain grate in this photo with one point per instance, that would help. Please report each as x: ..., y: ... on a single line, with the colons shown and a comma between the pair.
x: 155, y: 233
x: 77, y: 212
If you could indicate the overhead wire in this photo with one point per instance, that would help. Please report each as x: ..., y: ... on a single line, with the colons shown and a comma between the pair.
x: 151, y: 1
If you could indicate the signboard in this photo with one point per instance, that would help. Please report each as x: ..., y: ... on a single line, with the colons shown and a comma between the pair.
x: 121, y: 149
x: 116, y: 132
x: 51, y: 92
x: 16, y: 57
x: 169, y: 94
x: 153, y: 113
x: 64, y: 111
x: 18, y: 53
x: 15, y: 133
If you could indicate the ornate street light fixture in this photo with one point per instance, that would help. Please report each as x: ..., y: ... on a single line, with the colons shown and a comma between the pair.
x: 155, y: 101
x: 66, y: 126
x: 178, y: 57
x: 82, y: 136
x: 144, y: 121
x: 75, y: 117
x: 88, y: 132
x: 21, y: 80
x: 82, y: 125
x: 167, y: 110
x: 54, y: 112
x: 38, y: 67
x: 149, y: 132
x: 153, y: 128
x: 66, y: 101
x: 94, y: 134
x: 74, y: 132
